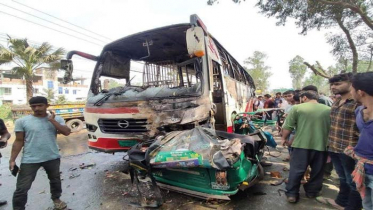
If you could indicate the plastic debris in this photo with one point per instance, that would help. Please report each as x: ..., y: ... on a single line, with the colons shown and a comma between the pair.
x: 276, y: 174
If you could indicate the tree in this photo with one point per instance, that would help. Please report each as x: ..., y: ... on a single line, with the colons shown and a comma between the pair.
x: 321, y: 83
x: 313, y: 14
x: 49, y: 94
x: 361, y: 8
x: 114, y: 84
x: 61, y: 99
x: 297, y: 70
x: 352, y: 17
x: 5, y: 111
x: 257, y: 69
x: 28, y: 58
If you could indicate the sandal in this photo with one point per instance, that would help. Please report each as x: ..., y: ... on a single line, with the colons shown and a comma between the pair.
x: 59, y: 205
x: 330, y: 202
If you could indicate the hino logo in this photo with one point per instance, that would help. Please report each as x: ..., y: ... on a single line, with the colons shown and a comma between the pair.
x: 123, y: 123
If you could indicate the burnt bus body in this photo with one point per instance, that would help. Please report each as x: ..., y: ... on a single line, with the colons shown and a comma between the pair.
x: 175, y: 91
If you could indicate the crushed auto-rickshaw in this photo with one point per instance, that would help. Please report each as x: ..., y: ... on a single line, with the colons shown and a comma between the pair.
x: 201, y: 162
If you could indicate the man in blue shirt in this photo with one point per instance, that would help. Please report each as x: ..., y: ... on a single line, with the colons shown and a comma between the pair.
x: 362, y: 91
x: 37, y: 135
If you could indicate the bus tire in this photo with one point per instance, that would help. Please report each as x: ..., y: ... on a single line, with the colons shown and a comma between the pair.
x: 75, y: 125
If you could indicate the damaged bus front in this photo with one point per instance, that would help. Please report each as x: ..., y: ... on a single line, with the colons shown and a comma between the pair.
x: 155, y: 82
x: 161, y: 87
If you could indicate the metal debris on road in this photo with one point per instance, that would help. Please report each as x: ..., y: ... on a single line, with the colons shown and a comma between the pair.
x: 72, y: 176
x: 83, y: 166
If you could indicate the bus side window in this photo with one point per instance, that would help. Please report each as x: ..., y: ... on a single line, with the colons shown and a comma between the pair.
x: 218, y: 92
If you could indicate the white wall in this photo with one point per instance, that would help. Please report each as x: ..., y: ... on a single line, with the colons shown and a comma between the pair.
x: 18, y: 95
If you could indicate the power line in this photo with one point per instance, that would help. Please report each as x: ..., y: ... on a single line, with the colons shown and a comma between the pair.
x: 51, y: 28
x: 4, y: 38
x: 62, y: 20
x: 52, y: 22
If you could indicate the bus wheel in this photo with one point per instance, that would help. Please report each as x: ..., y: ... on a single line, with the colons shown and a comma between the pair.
x: 75, y: 125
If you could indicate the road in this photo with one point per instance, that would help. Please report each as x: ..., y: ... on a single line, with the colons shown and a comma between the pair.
x: 104, y: 186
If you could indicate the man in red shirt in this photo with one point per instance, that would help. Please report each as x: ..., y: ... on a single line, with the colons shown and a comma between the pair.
x: 268, y: 104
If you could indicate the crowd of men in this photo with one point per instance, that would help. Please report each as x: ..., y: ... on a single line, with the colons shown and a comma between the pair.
x: 316, y: 128
x: 338, y: 130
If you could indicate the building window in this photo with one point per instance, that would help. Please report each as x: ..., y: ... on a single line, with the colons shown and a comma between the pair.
x: 60, y: 90
x: 74, y: 92
x: 8, y: 102
x: 7, y: 91
x: 50, y: 84
x: 66, y: 91
x: 36, y: 91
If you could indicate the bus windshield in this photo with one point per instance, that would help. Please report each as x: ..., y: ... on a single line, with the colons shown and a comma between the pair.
x: 149, y: 65
x: 152, y: 80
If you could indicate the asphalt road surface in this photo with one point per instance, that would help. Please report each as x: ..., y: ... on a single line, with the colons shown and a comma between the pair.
x: 104, y: 186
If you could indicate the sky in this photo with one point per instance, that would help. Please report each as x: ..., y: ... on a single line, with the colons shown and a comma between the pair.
x: 240, y: 28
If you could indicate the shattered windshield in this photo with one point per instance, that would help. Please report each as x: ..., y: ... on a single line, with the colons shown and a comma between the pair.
x: 149, y: 80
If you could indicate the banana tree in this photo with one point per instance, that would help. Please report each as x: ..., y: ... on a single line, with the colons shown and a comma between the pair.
x: 27, y: 58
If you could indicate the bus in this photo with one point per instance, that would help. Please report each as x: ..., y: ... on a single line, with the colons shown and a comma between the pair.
x: 166, y: 79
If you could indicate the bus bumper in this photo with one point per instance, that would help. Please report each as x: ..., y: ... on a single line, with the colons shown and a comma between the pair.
x: 110, y: 145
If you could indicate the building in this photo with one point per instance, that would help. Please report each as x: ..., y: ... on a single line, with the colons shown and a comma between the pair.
x: 13, y: 88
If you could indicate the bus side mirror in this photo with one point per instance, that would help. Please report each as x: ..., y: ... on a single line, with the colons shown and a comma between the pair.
x: 195, y: 38
x: 67, y: 65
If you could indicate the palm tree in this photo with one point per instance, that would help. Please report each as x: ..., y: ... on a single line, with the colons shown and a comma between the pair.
x: 49, y: 94
x: 28, y: 58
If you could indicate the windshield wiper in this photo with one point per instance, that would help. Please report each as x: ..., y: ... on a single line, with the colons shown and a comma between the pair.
x: 103, y: 99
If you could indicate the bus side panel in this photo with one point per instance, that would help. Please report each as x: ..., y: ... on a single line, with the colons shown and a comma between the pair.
x: 239, y: 99
x: 231, y: 94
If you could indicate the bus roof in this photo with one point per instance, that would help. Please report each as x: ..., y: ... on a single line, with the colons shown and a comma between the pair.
x: 165, y: 42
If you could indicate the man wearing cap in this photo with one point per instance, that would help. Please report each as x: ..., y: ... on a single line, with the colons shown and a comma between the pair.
x: 37, y: 135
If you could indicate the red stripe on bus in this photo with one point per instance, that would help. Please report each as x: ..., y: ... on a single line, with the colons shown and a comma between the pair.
x: 125, y: 110
x: 107, y: 144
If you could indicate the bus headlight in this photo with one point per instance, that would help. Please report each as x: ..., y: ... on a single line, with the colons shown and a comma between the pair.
x: 91, y: 128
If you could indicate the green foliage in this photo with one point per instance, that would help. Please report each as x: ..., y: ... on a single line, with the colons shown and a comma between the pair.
x: 353, y: 18
x: 345, y: 65
x: 297, y: 70
x: 28, y: 58
x: 114, y: 84
x: 255, y: 66
x: 61, y: 99
x: 321, y: 83
x: 5, y: 112
x: 49, y: 94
